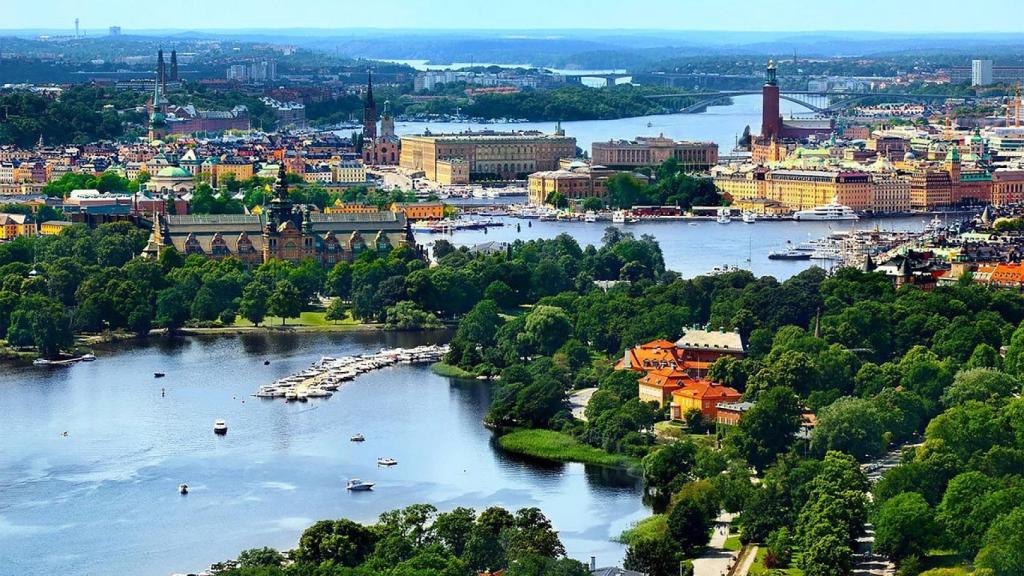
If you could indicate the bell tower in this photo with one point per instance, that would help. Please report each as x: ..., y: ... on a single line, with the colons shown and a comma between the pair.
x: 771, y: 120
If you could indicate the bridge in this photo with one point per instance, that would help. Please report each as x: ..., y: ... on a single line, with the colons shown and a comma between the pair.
x: 821, y: 102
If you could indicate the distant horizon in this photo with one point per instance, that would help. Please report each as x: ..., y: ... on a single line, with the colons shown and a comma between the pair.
x: 742, y: 16
x: 550, y: 32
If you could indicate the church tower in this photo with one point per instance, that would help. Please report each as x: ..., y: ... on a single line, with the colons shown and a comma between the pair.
x: 771, y: 119
x: 174, y: 65
x: 157, y: 120
x: 161, y: 70
x: 369, y: 112
x: 387, y: 121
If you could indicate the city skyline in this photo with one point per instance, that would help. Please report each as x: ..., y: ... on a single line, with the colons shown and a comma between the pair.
x: 674, y: 15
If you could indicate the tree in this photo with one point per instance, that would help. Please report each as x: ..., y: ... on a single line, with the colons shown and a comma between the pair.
x: 662, y: 466
x: 343, y: 542
x: 689, y: 525
x: 770, y: 427
x: 546, y: 329
x: 256, y: 557
x: 850, y: 425
x: 982, y: 384
x: 336, y: 311
x: 405, y: 315
x: 40, y: 321
x: 904, y: 526
x: 533, y: 534
x: 1003, y: 552
x: 653, y: 556
x: 171, y: 308
x: 285, y: 301
x: 592, y: 204
x: 253, y: 305
x: 454, y: 528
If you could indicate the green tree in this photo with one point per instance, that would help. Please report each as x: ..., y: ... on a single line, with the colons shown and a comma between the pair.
x: 653, y: 556
x: 689, y: 525
x: 254, y: 302
x: 770, y: 427
x: 40, y: 321
x: 343, y: 542
x: 1003, y: 551
x: 257, y: 557
x: 904, y: 526
x: 982, y: 384
x: 336, y: 311
x: 547, y: 329
x: 285, y: 301
x: 850, y: 425
x: 171, y: 308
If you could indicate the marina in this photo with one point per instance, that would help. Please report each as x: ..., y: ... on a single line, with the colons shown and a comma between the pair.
x: 324, y: 377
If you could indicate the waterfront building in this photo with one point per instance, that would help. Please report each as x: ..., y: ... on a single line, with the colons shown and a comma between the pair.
x: 419, y: 210
x: 949, y: 184
x: 890, y: 193
x: 804, y: 189
x: 1007, y: 186
x: 576, y: 181
x: 282, y: 231
x: 16, y: 225
x: 651, y: 151
x: 459, y: 158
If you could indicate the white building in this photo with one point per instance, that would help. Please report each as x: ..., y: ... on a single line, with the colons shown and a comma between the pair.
x: 981, y: 72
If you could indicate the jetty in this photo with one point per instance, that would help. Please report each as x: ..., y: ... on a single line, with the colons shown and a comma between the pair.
x: 327, y: 374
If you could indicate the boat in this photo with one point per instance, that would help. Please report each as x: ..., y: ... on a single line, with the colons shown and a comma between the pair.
x: 182, y: 489
x: 158, y: 374
x: 590, y: 216
x: 723, y: 269
x: 749, y: 217
x: 358, y: 438
x: 934, y: 225
x: 619, y: 217
x: 723, y: 216
x: 357, y: 485
x: 290, y: 396
x: 386, y: 462
x: 40, y: 362
x: 220, y: 427
x: 832, y: 211
x: 302, y: 396
x: 88, y: 358
x: 266, y: 362
x: 791, y: 254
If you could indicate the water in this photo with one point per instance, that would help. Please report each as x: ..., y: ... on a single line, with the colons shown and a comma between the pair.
x: 104, y: 499
x: 720, y: 124
x: 692, y: 248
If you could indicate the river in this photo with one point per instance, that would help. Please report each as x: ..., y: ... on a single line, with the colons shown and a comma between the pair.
x: 104, y: 500
x: 691, y: 248
x: 720, y: 124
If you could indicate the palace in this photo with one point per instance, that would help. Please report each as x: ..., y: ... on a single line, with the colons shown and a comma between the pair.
x: 283, y: 231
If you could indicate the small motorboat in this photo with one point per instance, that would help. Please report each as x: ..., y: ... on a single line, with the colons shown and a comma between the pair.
x: 386, y: 462
x: 220, y: 427
x: 358, y: 438
x: 158, y: 374
x: 182, y: 489
x: 290, y: 396
x: 266, y: 362
x: 357, y: 485
x: 40, y: 362
x: 88, y: 357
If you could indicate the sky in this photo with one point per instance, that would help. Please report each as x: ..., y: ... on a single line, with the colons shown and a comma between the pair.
x: 734, y: 15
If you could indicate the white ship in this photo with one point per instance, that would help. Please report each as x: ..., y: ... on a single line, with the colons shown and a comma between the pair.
x: 831, y: 211
x: 723, y: 215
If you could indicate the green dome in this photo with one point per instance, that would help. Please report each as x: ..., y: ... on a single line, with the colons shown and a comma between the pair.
x: 173, y: 172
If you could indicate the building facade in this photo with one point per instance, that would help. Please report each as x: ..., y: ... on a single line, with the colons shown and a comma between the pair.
x: 484, y: 155
x: 651, y: 151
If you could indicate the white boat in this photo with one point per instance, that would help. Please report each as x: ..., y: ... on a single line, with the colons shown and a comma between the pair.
x: 386, y: 462
x: 182, y: 489
x: 358, y: 485
x: 934, y: 225
x: 290, y: 396
x: 40, y: 362
x: 358, y: 438
x: 220, y: 427
x: 619, y: 217
x: 590, y: 216
x: 749, y: 217
x: 831, y: 211
x: 723, y: 215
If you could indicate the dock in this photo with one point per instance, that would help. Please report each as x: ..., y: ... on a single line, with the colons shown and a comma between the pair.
x: 327, y: 374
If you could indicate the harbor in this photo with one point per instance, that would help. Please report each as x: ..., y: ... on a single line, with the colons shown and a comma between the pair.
x: 327, y: 374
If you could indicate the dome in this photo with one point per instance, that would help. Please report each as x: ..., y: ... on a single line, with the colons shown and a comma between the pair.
x: 909, y: 156
x: 173, y: 172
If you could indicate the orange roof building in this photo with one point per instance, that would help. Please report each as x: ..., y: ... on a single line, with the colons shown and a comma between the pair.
x: 702, y: 395
x: 654, y: 355
x: 659, y: 385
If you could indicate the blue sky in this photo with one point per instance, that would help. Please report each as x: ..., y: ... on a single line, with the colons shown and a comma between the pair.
x: 737, y: 15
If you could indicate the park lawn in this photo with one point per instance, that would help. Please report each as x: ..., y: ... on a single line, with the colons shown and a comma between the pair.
x: 313, y: 319
x: 650, y: 528
x: 758, y: 569
x: 551, y: 445
x: 732, y: 543
x: 946, y: 560
x: 442, y: 369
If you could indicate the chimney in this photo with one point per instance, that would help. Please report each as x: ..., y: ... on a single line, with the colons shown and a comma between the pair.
x: 593, y: 563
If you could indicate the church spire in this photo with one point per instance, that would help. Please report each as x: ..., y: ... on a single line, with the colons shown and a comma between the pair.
x: 281, y: 190
x: 369, y: 110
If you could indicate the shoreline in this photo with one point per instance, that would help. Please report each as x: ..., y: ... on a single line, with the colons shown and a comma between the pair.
x: 557, y: 446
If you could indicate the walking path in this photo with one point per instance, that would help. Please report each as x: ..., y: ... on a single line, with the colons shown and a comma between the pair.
x: 716, y: 561
x: 578, y: 400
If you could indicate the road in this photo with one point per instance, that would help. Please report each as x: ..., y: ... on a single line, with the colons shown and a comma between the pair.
x: 865, y: 561
x: 716, y: 560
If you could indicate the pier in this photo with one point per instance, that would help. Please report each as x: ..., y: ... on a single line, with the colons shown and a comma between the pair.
x: 327, y: 374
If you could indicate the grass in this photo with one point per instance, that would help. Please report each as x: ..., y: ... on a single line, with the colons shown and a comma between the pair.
x: 944, y: 563
x: 758, y: 569
x: 561, y: 447
x: 647, y: 529
x: 732, y: 543
x: 442, y: 369
x: 310, y: 319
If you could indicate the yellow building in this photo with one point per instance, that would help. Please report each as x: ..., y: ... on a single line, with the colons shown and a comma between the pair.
x: 419, y: 210
x: 503, y: 155
x: 890, y: 193
x: 576, y: 181
x: 340, y: 207
x: 15, y: 225
x: 53, y: 227
x: 348, y: 171
x: 805, y: 189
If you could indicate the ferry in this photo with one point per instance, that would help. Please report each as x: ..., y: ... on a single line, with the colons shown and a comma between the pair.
x: 791, y: 254
x: 723, y: 216
x: 220, y: 427
x: 386, y: 462
x: 832, y: 211
x: 590, y: 216
x: 749, y: 217
x: 358, y: 438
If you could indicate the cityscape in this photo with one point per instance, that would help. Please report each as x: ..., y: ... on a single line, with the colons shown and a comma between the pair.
x: 592, y: 289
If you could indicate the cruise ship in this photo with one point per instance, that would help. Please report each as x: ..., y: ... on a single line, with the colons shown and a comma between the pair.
x: 831, y: 211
